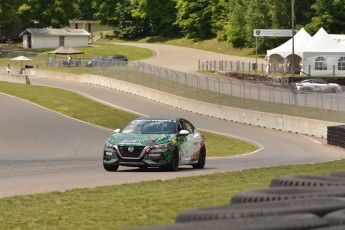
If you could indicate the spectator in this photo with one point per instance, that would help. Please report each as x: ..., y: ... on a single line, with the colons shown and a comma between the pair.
x: 8, y: 68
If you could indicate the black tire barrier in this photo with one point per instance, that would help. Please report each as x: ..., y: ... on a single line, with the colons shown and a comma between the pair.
x: 330, y: 228
x: 281, y: 222
x: 286, y: 193
x: 336, y: 135
x: 307, y: 181
x: 317, y: 206
x: 290, y: 203
x: 338, y: 175
x: 336, y: 217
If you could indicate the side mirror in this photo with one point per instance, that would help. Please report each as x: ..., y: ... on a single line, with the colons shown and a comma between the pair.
x: 116, y: 130
x: 183, y: 132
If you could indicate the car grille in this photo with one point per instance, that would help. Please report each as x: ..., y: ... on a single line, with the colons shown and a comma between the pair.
x: 136, y: 153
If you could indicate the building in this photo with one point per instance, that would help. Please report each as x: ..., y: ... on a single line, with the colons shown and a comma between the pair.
x: 90, y: 26
x: 54, y: 38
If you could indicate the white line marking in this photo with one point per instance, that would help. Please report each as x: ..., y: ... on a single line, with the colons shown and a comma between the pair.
x: 313, y: 140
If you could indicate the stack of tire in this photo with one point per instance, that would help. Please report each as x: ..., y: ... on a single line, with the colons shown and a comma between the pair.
x: 336, y: 135
x: 292, y: 202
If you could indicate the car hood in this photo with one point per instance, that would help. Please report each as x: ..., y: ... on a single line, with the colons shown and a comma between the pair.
x: 140, y: 139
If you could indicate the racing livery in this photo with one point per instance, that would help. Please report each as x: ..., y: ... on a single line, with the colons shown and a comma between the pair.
x: 164, y: 142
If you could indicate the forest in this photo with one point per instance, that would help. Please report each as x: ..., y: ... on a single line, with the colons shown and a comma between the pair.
x: 232, y: 21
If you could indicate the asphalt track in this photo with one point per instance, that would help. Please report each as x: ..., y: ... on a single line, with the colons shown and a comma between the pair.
x: 43, y: 151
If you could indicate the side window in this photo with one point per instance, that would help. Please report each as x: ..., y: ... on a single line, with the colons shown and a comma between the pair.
x: 180, y: 126
x: 320, y: 63
x: 341, y: 63
x: 188, y: 126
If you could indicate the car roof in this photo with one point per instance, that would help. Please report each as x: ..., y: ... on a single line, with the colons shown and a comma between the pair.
x: 159, y: 118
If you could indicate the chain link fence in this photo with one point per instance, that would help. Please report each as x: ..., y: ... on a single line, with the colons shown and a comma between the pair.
x: 279, y: 98
x: 271, y: 97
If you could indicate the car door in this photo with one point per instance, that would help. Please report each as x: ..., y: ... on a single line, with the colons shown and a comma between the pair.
x: 193, y: 138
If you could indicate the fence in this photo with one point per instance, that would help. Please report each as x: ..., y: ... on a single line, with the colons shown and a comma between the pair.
x: 271, y: 97
x: 276, y: 98
x: 263, y: 68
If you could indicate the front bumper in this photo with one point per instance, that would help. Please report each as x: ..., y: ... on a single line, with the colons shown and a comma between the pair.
x: 155, y: 158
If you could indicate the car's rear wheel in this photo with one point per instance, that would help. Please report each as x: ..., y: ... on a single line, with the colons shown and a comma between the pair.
x: 202, y: 159
x: 110, y: 168
x: 174, y: 161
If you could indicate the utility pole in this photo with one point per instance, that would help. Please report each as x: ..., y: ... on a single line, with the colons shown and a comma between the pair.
x: 293, y: 40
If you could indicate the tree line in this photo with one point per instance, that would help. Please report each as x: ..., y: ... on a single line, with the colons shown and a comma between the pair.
x: 226, y: 20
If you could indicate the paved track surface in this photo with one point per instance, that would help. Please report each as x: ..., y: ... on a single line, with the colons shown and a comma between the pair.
x: 42, y: 151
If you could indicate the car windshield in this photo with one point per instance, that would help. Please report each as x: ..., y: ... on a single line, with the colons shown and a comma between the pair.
x: 154, y: 126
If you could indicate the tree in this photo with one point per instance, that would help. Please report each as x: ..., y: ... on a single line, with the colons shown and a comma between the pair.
x: 158, y: 15
x: 54, y: 13
x: 234, y: 31
x: 9, y: 19
x: 329, y: 14
x: 118, y: 14
x: 194, y: 17
x: 256, y: 18
x: 85, y: 9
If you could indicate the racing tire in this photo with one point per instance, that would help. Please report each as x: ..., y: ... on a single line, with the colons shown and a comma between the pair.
x: 202, y: 160
x: 110, y: 168
x: 297, y: 221
x: 336, y: 217
x: 286, y: 193
x: 307, y: 181
x: 318, y: 206
x: 174, y: 161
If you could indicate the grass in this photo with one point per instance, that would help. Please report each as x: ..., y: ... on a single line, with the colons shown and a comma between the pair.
x: 212, y: 45
x: 79, y: 107
x: 140, y: 204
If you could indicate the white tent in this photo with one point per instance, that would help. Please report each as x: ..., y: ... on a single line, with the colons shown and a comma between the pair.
x: 317, y: 55
x: 300, y: 39
x: 282, y: 53
x: 323, y: 55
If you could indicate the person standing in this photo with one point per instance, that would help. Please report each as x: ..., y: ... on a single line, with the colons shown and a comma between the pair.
x: 293, y: 89
x: 8, y: 68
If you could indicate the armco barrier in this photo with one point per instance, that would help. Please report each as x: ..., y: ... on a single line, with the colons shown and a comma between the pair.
x: 285, y: 123
x: 14, y: 78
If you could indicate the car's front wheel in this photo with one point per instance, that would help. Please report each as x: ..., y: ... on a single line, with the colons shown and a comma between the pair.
x: 202, y: 159
x: 174, y: 161
x: 110, y: 168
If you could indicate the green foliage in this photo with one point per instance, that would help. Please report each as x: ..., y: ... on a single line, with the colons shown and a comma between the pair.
x: 329, y: 14
x: 227, y: 20
x: 54, y: 13
x: 158, y: 15
x: 195, y: 17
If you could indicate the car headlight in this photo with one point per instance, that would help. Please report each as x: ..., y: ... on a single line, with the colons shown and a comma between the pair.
x: 158, y: 148
x: 109, y: 145
x: 162, y: 146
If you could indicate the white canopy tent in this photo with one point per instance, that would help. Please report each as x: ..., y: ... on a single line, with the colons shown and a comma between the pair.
x: 282, y: 54
x: 317, y: 55
x: 323, y: 55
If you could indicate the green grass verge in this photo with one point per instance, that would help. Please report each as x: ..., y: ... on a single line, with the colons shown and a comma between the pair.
x: 82, y: 108
x: 139, y: 204
x: 212, y: 45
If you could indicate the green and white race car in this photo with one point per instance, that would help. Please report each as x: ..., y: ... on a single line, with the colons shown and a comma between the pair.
x: 164, y: 142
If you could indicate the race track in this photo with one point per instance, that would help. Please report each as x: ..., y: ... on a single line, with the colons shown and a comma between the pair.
x: 42, y: 151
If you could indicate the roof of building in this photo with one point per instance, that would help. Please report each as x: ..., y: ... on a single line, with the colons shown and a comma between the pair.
x: 55, y: 32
